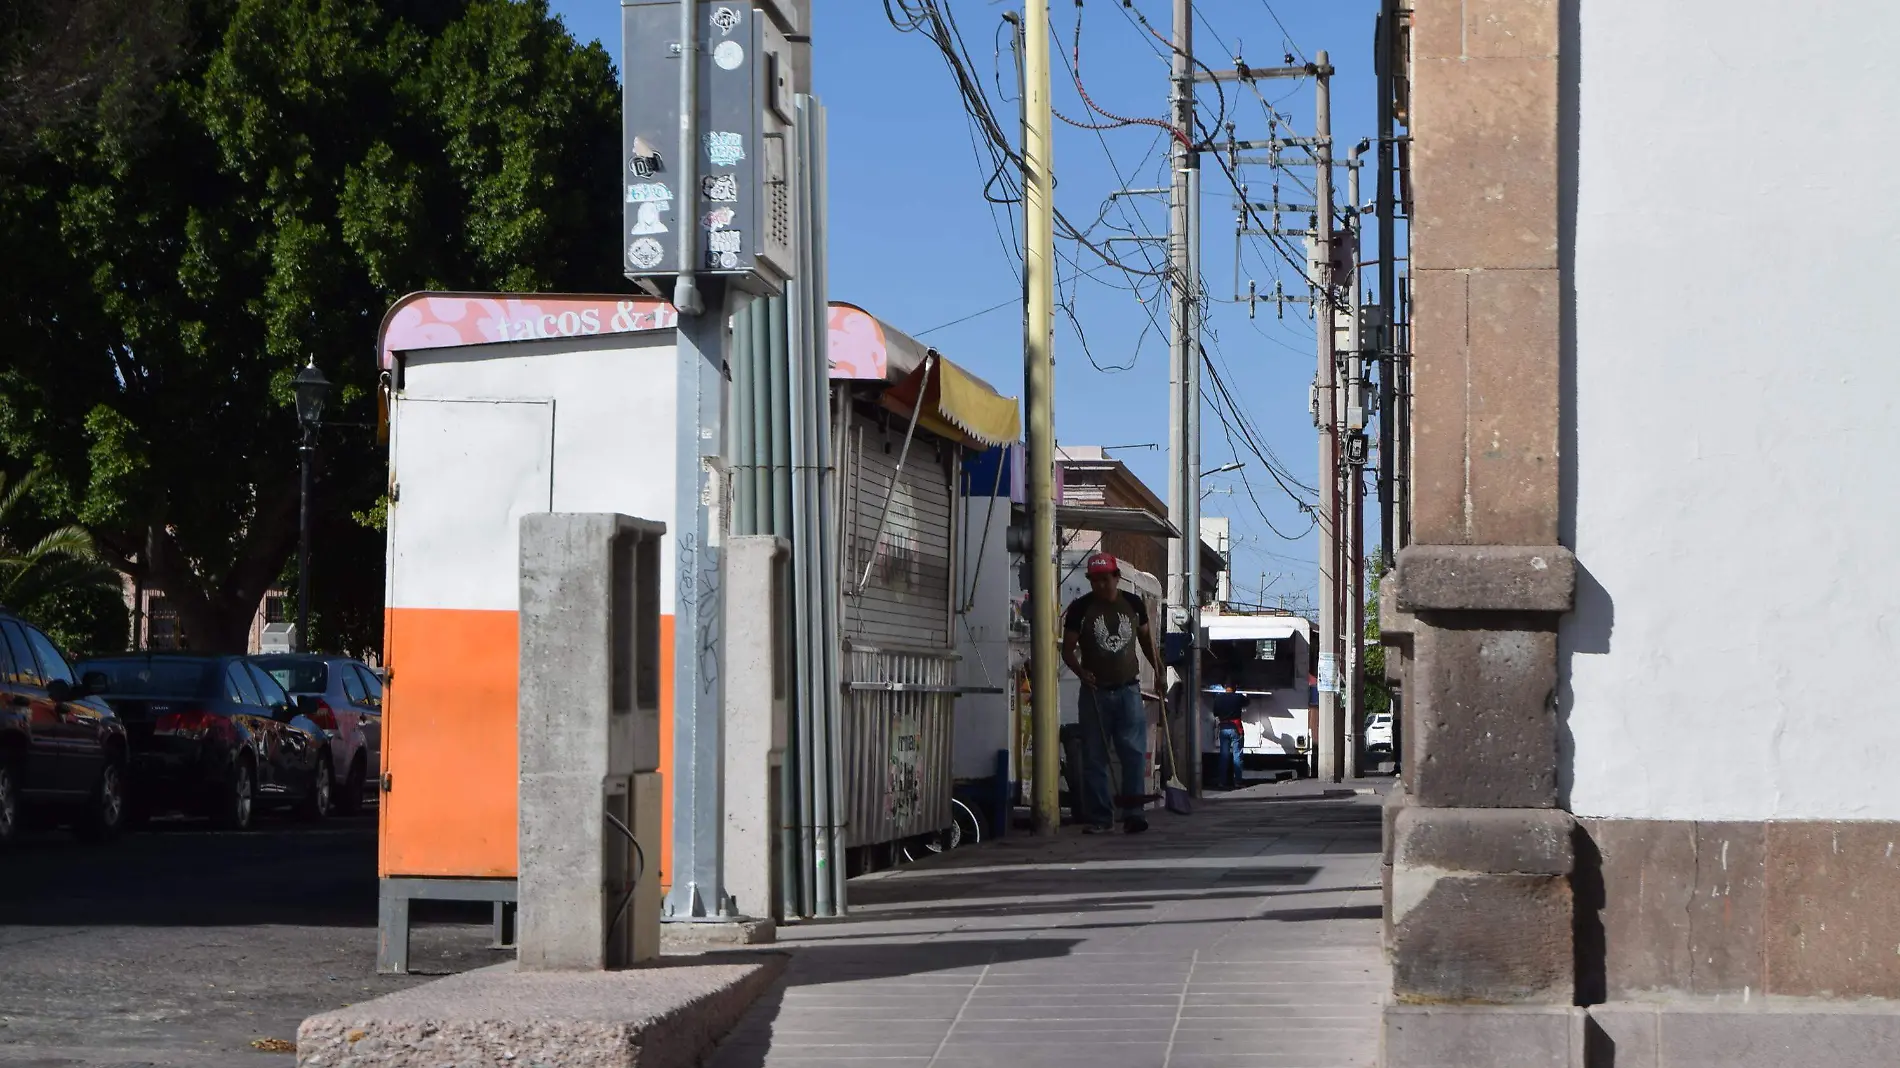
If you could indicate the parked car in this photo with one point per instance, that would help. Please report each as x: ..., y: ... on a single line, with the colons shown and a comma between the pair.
x: 349, y: 704
x: 62, y: 751
x: 1379, y: 732
x: 215, y: 736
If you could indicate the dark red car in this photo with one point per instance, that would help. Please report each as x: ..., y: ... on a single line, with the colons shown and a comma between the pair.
x: 215, y: 736
x: 62, y: 751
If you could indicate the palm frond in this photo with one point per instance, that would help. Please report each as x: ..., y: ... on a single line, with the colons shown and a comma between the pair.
x: 73, y: 541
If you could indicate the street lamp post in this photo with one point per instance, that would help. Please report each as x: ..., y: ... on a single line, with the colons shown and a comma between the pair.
x: 312, y: 390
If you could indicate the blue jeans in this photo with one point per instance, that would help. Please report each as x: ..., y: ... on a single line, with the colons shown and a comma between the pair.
x: 1112, y: 715
x: 1229, y: 757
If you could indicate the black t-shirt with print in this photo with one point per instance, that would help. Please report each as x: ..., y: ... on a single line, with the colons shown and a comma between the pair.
x: 1110, y: 633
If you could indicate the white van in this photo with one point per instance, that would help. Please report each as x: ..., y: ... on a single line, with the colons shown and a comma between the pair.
x: 1264, y: 657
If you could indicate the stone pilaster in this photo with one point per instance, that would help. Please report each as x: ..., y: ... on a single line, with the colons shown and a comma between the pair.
x: 1480, y: 857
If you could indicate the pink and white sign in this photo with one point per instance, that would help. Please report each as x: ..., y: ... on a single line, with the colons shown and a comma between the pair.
x: 445, y: 320
x: 856, y: 343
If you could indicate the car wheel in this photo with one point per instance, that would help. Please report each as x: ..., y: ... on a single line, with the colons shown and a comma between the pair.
x: 9, y: 802
x: 239, y: 807
x: 105, y: 813
x: 351, y: 800
x: 316, y: 802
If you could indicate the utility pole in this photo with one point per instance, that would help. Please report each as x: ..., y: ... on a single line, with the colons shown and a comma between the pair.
x: 1327, y: 415
x: 1383, y: 59
x: 1039, y: 260
x: 1184, y: 396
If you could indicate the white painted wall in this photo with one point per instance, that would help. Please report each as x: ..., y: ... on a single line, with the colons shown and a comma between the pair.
x: 613, y: 400
x: 1737, y: 400
x: 982, y: 638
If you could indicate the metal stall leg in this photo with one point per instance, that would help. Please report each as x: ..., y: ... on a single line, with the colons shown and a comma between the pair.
x: 504, y: 936
x: 392, y: 920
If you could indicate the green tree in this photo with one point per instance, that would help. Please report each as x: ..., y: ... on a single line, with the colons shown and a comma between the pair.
x: 62, y: 61
x: 1378, y: 690
x: 51, y: 574
x: 308, y: 162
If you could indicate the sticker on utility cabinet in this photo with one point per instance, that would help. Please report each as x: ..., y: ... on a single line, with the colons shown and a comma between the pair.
x: 726, y: 20
x: 720, y: 188
x: 645, y: 254
x: 729, y: 55
x: 724, y: 148
x: 648, y: 193
x: 644, y: 160
x: 646, y: 219
x: 722, y: 248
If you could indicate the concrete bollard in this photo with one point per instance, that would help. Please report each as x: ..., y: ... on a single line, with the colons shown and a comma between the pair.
x: 757, y: 676
x: 589, y: 741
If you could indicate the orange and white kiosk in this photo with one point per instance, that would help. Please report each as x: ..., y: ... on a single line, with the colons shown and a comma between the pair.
x: 498, y: 406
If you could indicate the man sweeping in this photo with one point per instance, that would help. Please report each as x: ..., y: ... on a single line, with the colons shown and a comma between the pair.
x: 1100, y: 633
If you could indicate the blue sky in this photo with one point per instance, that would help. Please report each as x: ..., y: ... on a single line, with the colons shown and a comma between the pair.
x: 913, y: 240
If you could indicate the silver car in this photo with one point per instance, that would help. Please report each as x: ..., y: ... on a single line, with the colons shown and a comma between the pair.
x: 348, y: 698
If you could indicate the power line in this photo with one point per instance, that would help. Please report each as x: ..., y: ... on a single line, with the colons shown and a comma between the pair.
x: 975, y: 314
x: 1286, y: 34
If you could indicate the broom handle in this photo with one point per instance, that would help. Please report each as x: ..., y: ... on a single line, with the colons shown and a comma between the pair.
x: 1167, y: 734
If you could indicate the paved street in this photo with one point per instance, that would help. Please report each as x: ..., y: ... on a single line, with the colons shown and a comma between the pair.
x: 1243, y: 936
x: 181, y: 946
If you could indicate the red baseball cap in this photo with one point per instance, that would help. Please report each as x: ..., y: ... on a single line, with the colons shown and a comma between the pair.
x: 1104, y: 564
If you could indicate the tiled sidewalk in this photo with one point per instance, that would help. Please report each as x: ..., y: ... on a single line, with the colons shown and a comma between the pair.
x: 1243, y: 936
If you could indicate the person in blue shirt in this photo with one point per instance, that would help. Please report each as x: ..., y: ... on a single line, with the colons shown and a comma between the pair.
x: 1228, y: 704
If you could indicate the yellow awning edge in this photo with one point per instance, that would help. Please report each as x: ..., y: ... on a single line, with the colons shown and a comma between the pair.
x: 972, y: 407
x: 955, y: 404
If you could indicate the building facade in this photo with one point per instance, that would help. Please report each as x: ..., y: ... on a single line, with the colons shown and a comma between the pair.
x: 155, y: 621
x: 1646, y: 817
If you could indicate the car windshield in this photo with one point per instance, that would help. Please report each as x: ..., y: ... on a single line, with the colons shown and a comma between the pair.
x: 155, y: 677
x: 296, y: 674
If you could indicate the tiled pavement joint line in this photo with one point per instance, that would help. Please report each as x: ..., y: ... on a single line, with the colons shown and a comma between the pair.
x: 1181, y: 1008
x: 961, y: 1009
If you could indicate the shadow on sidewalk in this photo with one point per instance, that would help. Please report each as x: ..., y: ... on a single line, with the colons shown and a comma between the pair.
x: 946, y: 884
x: 812, y: 964
x: 1052, y: 900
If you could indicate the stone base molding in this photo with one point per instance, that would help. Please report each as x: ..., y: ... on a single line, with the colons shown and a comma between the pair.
x: 1479, y: 857
x: 1738, y: 910
x: 1481, y: 906
x: 1685, y: 1034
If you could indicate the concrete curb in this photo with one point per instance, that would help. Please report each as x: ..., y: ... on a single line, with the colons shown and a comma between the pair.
x: 669, y: 1014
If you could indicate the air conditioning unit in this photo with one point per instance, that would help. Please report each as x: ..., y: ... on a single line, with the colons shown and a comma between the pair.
x: 278, y: 638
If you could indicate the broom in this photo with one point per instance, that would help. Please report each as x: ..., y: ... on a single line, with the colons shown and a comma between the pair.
x: 1174, y: 794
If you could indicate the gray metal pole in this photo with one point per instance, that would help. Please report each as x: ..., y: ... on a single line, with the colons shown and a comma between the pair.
x: 828, y: 747
x: 764, y: 388
x: 699, y: 810
x: 779, y: 447
x: 685, y: 287
x: 1326, y: 374
x: 303, y: 539
x: 698, y: 891
x: 744, y: 501
x: 1388, y: 441
x: 1354, y: 676
x: 1191, y: 392
x: 1183, y: 472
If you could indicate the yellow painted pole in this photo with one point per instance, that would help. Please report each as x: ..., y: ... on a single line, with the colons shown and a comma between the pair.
x: 1039, y: 276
